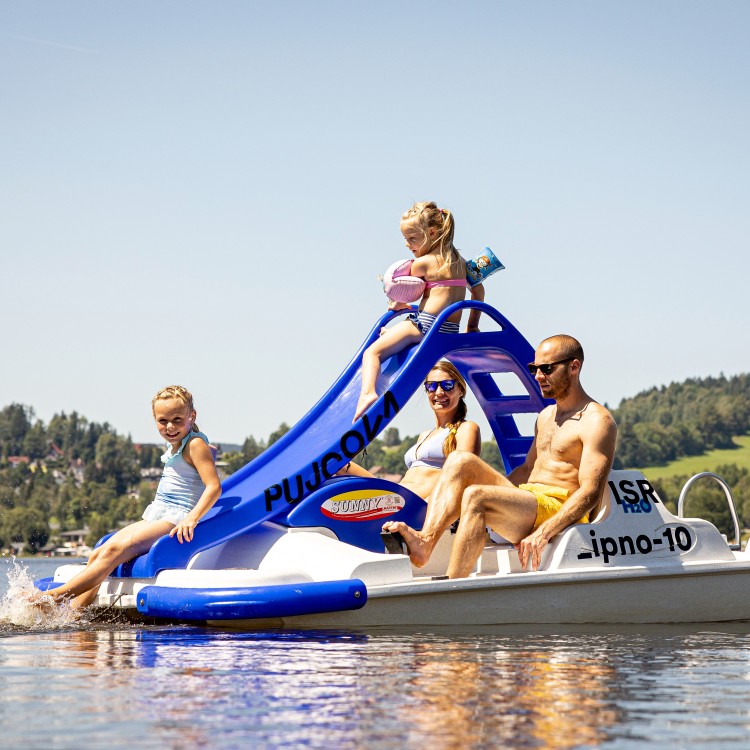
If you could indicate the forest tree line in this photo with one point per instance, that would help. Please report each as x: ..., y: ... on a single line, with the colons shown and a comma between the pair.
x: 682, y: 419
x: 73, y: 474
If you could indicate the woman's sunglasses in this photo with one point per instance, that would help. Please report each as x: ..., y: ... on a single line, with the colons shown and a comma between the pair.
x: 547, y: 369
x: 431, y: 385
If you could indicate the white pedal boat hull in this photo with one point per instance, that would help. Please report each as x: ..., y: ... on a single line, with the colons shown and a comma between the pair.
x: 637, y: 563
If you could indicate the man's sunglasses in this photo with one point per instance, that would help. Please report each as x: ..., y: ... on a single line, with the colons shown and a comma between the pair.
x: 547, y: 368
x: 431, y: 385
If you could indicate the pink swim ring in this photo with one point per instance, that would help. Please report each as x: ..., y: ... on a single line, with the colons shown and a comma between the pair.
x: 400, y: 285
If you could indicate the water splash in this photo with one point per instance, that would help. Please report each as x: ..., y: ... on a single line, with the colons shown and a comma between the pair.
x: 17, y: 613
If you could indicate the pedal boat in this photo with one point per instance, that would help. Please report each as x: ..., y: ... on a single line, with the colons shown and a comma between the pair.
x: 289, y: 545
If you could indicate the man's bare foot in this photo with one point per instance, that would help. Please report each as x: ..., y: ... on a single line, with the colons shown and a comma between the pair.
x: 419, y: 549
x: 366, y: 400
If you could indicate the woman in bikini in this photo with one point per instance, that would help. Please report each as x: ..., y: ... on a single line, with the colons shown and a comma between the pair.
x: 446, y: 391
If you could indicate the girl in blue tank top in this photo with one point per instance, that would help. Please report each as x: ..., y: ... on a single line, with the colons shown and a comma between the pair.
x: 188, y: 487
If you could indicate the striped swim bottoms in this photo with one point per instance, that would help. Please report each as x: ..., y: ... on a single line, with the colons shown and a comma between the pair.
x: 424, y: 321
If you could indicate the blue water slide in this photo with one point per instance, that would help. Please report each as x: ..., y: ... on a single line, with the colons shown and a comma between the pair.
x: 325, y: 439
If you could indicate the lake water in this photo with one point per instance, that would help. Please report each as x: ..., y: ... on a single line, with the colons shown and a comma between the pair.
x: 118, y: 685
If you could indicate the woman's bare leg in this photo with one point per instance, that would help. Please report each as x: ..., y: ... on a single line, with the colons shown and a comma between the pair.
x: 461, y: 470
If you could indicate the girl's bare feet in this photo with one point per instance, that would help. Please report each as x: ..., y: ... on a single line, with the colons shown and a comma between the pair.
x: 366, y: 400
x: 41, y: 599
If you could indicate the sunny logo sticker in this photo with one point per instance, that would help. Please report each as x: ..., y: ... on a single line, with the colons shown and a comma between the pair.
x: 362, y: 505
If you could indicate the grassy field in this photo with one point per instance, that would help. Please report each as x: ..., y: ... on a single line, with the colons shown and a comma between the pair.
x: 707, y: 462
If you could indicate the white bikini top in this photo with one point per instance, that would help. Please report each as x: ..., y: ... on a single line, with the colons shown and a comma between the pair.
x: 429, y: 452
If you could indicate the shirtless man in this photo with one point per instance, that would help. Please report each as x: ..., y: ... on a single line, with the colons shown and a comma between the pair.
x: 560, y: 482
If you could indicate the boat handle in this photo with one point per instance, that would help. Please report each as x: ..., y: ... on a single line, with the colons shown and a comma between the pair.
x: 730, y: 501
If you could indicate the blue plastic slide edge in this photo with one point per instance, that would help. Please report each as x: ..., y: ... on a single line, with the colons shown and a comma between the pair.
x: 255, y: 602
x: 45, y: 584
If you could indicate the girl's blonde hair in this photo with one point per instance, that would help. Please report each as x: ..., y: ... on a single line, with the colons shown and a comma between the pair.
x: 178, y: 392
x: 426, y: 215
x: 449, y: 444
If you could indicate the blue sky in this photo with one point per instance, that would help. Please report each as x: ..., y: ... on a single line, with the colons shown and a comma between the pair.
x: 205, y: 193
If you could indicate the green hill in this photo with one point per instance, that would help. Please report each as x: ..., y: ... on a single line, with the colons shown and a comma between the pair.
x: 708, y: 461
x: 662, y: 425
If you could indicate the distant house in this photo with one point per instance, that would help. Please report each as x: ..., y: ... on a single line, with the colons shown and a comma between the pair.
x: 77, y: 470
x: 65, y: 551
x: 74, y: 543
x: 54, y: 453
x: 75, y: 538
x: 18, y: 460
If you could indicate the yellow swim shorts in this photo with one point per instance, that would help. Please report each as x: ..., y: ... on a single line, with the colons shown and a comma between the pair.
x: 548, y: 501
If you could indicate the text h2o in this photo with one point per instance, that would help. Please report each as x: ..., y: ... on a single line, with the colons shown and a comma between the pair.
x: 634, y: 496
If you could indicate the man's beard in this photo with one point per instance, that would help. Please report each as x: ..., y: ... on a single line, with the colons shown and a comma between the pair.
x: 559, y: 390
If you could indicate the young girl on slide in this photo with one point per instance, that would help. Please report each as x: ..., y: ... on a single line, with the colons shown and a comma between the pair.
x: 188, y: 487
x: 428, y: 231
